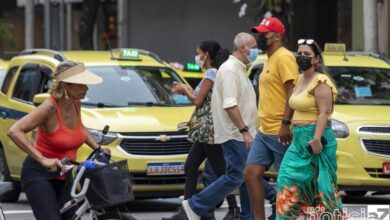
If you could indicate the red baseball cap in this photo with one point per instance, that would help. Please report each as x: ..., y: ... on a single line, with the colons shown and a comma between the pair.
x: 271, y: 24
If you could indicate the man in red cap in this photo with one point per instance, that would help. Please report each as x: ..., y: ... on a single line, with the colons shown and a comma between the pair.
x: 276, y: 84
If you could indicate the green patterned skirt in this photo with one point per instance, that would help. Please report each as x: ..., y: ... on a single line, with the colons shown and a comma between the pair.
x: 307, y: 183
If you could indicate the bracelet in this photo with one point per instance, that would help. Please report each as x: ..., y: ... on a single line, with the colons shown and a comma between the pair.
x: 244, y: 129
x: 286, y: 122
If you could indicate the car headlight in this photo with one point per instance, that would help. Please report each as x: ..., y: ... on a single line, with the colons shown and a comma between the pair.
x: 340, y: 130
x: 103, y: 139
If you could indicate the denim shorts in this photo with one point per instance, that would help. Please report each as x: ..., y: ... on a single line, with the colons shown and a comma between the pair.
x: 266, y: 150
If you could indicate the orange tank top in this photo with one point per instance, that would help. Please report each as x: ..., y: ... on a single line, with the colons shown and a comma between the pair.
x: 62, y: 142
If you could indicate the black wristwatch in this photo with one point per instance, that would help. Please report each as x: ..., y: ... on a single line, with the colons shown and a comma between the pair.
x: 286, y: 122
x: 244, y: 129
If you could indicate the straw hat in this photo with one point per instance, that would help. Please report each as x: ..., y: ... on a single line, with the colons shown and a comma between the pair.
x: 79, y: 75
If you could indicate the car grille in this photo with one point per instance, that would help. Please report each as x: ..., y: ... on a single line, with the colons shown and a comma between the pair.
x: 381, y: 147
x: 381, y: 130
x: 148, y: 144
x: 377, y: 173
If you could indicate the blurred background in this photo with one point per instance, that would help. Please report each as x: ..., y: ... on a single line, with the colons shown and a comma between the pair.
x: 173, y: 28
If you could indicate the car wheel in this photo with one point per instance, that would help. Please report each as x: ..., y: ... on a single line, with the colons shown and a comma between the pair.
x: 9, y: 191
x: 4, y: 172
x: 356, y: 193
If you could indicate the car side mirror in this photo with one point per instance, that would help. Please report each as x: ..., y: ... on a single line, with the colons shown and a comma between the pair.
x: 39, y: 98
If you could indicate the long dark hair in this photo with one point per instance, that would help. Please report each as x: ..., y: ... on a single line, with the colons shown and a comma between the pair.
x: 217, y: 54
x: 317, y: 52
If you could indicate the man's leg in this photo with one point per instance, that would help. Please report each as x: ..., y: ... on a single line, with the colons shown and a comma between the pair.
x: 278, y: 151
x: 270, y: 191
x: 235, y: 155
x: 259, y: 158
x: 270, y: 195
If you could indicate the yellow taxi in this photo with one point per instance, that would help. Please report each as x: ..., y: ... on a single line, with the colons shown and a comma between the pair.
x: 147, y: 122
x: 3, y: 67
x: 361, y: 118
x: 191, y: 72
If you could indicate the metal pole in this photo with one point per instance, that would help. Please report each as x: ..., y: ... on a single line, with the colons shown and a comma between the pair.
x: 370, y: 20
x: 47, y: 24
x: 69, y: 26
x: 62, y: 25
x: 122, y: 23
x: 29, y: 24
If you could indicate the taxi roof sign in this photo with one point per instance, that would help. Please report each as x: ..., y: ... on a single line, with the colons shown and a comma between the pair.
x: 129, y: 54
x: 192, y: 67
x: 334, y: 48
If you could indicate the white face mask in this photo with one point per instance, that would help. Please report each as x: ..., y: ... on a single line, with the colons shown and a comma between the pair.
x: 199, y: 62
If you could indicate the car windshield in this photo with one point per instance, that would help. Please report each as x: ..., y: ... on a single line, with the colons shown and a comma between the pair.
x: 134, y: 86
x: 362, y: 86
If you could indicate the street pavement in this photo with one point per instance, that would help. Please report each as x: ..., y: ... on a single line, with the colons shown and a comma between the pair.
x: 361, y: 208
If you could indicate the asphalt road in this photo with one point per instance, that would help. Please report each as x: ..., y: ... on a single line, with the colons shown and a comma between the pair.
x: 357, y: 207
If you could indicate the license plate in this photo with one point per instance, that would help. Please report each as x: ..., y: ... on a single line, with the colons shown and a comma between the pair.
x: 386, y: 168
x: 160, y: 169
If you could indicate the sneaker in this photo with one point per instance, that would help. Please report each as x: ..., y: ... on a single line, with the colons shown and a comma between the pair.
x: 232, y: 214
x: 273, y: 215
x: 191, y: 215
x: 180, y: 214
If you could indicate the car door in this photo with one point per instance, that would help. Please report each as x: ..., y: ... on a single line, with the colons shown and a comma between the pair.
x: 30, y: 80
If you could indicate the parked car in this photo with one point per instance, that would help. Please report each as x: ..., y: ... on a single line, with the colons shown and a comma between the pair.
x: 191, y: 72
x: 361, y: 117
x: 147, y: 122
x: 3, y: 67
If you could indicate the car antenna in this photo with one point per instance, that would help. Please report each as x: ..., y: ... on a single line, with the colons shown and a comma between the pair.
x: 109, y: 47
x: 345, y: 56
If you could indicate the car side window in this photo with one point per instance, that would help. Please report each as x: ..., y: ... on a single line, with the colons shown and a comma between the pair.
x: 8, y: 79
x: 26, y: 82
x: 33, y: 79
x: 44, y: 80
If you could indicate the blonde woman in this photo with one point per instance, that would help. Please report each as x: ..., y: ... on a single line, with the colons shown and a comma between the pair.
x: 60, y: 134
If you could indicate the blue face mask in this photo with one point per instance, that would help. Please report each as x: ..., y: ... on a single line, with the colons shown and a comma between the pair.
x: 253, y: 52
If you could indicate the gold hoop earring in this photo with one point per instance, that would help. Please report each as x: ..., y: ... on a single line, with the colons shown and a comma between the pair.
x: 66, y: 95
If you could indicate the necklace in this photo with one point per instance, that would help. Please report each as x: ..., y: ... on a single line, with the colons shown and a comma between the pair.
x: 67, y: 111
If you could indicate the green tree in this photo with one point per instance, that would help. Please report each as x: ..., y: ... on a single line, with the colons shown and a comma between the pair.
x: 6, y: 36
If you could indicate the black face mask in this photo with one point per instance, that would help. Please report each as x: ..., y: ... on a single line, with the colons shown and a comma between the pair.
x: 262, y: 43
x: 304, y: 62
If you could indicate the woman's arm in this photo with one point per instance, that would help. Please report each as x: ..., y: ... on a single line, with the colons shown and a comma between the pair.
x: 90, y: 141
x: 324, y: 101
x: 198, y: 100
x: 36, y: 118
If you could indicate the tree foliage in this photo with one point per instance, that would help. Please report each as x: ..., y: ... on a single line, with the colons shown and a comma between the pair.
x: 6, y: 34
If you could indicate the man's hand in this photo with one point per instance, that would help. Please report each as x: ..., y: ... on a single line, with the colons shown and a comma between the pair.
x: 316, y: 146
x: 248, y: 139
x: 285, y: 135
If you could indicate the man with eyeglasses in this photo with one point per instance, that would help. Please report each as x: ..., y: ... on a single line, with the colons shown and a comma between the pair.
x: 276, y: 84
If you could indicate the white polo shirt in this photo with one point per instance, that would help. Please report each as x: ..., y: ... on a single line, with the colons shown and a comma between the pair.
x: 232, y: 88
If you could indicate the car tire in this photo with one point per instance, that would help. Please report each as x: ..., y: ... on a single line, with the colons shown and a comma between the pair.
x: 9, y: 191
x: 356, y: 193
x: 4, y: 172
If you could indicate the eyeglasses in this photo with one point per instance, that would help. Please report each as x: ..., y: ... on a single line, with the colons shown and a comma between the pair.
x: 306, y: 41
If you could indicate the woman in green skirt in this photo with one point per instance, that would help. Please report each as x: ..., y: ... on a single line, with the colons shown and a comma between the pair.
x: 307, y: 181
